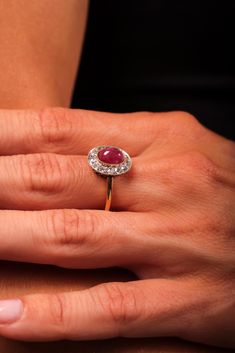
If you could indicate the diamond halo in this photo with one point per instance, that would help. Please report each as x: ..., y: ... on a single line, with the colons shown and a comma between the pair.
x: 108, y: 169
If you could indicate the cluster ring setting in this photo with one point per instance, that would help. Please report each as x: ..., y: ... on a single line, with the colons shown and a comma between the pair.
x: 109, y: 162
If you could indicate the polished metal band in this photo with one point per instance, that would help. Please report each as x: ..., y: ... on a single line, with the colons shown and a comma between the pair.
x: 109, y: 193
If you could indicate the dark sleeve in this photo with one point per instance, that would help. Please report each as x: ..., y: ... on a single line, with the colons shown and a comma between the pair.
x: 161, y: 55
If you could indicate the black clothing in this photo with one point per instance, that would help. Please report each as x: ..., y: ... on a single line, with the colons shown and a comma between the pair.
x: 161, y: 55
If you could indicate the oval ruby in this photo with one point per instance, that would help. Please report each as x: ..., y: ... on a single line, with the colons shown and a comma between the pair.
x: 111, y: 155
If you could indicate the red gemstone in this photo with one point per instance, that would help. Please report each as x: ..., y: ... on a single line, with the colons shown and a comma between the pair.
x: 111, y: 155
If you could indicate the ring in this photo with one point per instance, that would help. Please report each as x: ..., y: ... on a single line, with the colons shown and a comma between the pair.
x: 109, y: 161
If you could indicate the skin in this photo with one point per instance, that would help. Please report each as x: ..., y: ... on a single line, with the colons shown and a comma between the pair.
x: 175, y: 232
x: 37, y: 73
x: 20, y: 279
x: 41, y: 44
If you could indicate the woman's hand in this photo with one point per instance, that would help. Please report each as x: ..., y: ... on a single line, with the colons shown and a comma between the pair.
x: 172, y: 224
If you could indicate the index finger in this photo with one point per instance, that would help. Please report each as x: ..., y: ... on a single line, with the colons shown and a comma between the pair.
x: 68, y: 131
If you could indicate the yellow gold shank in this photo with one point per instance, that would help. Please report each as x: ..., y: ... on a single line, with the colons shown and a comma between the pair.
x: 109, y: 193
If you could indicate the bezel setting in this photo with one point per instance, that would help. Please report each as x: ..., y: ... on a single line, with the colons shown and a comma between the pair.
x: 108, y: 169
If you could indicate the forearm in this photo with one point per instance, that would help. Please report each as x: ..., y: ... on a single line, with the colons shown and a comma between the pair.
x: 41, y: 43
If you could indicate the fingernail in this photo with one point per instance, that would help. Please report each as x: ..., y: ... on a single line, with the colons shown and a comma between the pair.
x: 10, y: 311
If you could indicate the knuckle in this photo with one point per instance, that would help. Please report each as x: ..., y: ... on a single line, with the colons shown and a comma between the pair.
x: 53, y: 308
x: 185, y: 118
x: 200, y: 165
x: 55, y: 126
x: 70, y: 228
x: 119, y: 302
x: 182, y: 124
x: 188, y: 173
x: 57, y: 310
x: 41, y: 172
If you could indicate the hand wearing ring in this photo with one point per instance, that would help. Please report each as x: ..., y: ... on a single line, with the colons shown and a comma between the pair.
x: 171, y: 223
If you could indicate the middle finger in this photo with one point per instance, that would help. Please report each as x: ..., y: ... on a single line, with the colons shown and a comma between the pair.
x: 71, y: 131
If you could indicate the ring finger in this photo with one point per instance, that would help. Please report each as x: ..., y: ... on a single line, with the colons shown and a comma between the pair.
x: 47, y: 181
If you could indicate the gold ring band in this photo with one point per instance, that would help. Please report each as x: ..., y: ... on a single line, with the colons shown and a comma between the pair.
x: 109, y: 193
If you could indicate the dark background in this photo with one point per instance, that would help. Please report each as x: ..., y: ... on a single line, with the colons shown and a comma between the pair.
x: 161, y: 55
